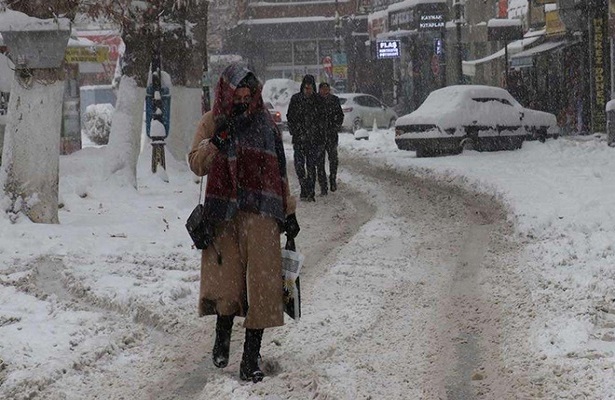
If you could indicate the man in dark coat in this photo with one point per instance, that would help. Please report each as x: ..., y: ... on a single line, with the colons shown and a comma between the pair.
x: 303, y: 124
x: 331, y: 118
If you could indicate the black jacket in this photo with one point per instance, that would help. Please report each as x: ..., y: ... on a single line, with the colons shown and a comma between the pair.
x: 332, y: 115
x: 303, y: 115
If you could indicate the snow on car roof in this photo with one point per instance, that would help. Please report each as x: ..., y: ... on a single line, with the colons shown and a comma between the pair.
x: 444, y: 105
x: 351, y: 95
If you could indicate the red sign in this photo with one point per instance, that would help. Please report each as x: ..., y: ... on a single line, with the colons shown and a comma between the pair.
x: 327, y: 64
x: 435, y: 65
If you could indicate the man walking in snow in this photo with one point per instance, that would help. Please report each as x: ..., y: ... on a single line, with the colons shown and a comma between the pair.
x: 331, y: 118
x: 303, y: 124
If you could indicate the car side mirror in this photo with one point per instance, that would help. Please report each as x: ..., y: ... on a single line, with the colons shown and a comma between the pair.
x: 522, y: 115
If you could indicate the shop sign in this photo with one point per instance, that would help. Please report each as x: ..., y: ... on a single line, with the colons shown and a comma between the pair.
x: 600, y: 74
x: 403, y: 19
x: 502, y: 8
x: 340, y: 66
x: 86, y: 54
x: 438, y: 47
x: 430, y: 22
x: 376, y: 26
x: 506, y: 33
x: 555, y: 25
x: 388, y: 49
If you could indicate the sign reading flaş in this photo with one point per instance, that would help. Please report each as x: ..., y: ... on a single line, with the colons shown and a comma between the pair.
x: 388, y: 49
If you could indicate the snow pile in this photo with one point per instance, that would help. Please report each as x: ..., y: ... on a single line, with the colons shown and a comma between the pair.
x: 97, y: 123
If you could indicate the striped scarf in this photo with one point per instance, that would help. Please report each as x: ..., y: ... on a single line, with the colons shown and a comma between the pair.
x: 251, y: 175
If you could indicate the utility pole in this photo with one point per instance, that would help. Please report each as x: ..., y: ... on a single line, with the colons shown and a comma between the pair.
x: 206, y: 105
x: 458, y: 22
x: 529, y: 15
x: 338, y: 29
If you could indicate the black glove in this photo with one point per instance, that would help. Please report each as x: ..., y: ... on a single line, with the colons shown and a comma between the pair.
x: 221, y: 138
x: 291, y: 226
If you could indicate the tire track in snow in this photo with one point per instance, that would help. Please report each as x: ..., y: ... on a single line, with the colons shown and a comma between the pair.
x: 464, y: 345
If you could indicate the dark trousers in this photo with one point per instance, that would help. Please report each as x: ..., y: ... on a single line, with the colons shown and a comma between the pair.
x: 329, y: 149
x: 305, y: 155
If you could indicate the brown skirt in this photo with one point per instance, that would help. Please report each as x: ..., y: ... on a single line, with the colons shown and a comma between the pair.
x: 248, y: 282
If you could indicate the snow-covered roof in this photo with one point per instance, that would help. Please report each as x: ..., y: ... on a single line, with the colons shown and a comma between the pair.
x: 469, y: 67
x: 378, y: 15
x: 502, y: 22
x: 17, y: 21
x: 294, y: 3
x: 81, y: 42
x: 539, y: 49
x: 286, y: 20
x: 403, y: 5
x: 396, y: 34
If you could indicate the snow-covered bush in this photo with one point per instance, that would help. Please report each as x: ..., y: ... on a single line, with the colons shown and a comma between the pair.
x: 97, y: 124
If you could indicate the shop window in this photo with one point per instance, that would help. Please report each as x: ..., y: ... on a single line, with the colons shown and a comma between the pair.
x: 305, y: 53
x: 280, y: 53
x: 325, y: 48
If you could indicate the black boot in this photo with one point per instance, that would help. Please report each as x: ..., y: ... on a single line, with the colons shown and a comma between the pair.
x: 224, y: 327
x: 249, y: 369
x: 333, y: 183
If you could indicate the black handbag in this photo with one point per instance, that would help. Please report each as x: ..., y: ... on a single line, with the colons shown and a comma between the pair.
x: 200, y: 229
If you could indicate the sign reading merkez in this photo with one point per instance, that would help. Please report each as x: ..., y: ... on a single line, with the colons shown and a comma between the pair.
x: 431, y: 22
x: 388, y: 49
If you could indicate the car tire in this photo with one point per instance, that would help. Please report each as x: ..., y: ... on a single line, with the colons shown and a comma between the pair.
x: 422, y: 152
x: 356, y: 125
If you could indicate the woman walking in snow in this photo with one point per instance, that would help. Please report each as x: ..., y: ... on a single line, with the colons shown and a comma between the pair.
x: 247, y: 198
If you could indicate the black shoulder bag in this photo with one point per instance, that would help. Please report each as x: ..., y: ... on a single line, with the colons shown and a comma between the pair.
x: 201, y: 231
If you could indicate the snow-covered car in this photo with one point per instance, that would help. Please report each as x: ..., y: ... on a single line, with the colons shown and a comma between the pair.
x: 360, y: 111
x: 275, y: 114
x: 481, y: 117
x: 278, y: 92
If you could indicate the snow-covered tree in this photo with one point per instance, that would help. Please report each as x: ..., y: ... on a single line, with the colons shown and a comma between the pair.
x: 143, y: 24
x: 31, y: 151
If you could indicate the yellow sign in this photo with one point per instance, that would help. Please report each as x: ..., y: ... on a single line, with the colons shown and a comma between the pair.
x: 554, y: 23
x: 86, y: 54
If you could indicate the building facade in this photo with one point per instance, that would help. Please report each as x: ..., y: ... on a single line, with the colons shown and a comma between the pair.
x: 288, y: 39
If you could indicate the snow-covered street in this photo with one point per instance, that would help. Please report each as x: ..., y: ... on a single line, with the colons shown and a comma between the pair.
x: 478, y: 276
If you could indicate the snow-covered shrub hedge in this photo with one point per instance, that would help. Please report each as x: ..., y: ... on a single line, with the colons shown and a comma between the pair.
x: 97, y: 124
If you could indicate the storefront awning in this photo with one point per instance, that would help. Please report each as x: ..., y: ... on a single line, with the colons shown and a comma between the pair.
x: 469, y: 67
x: 526, y: 57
